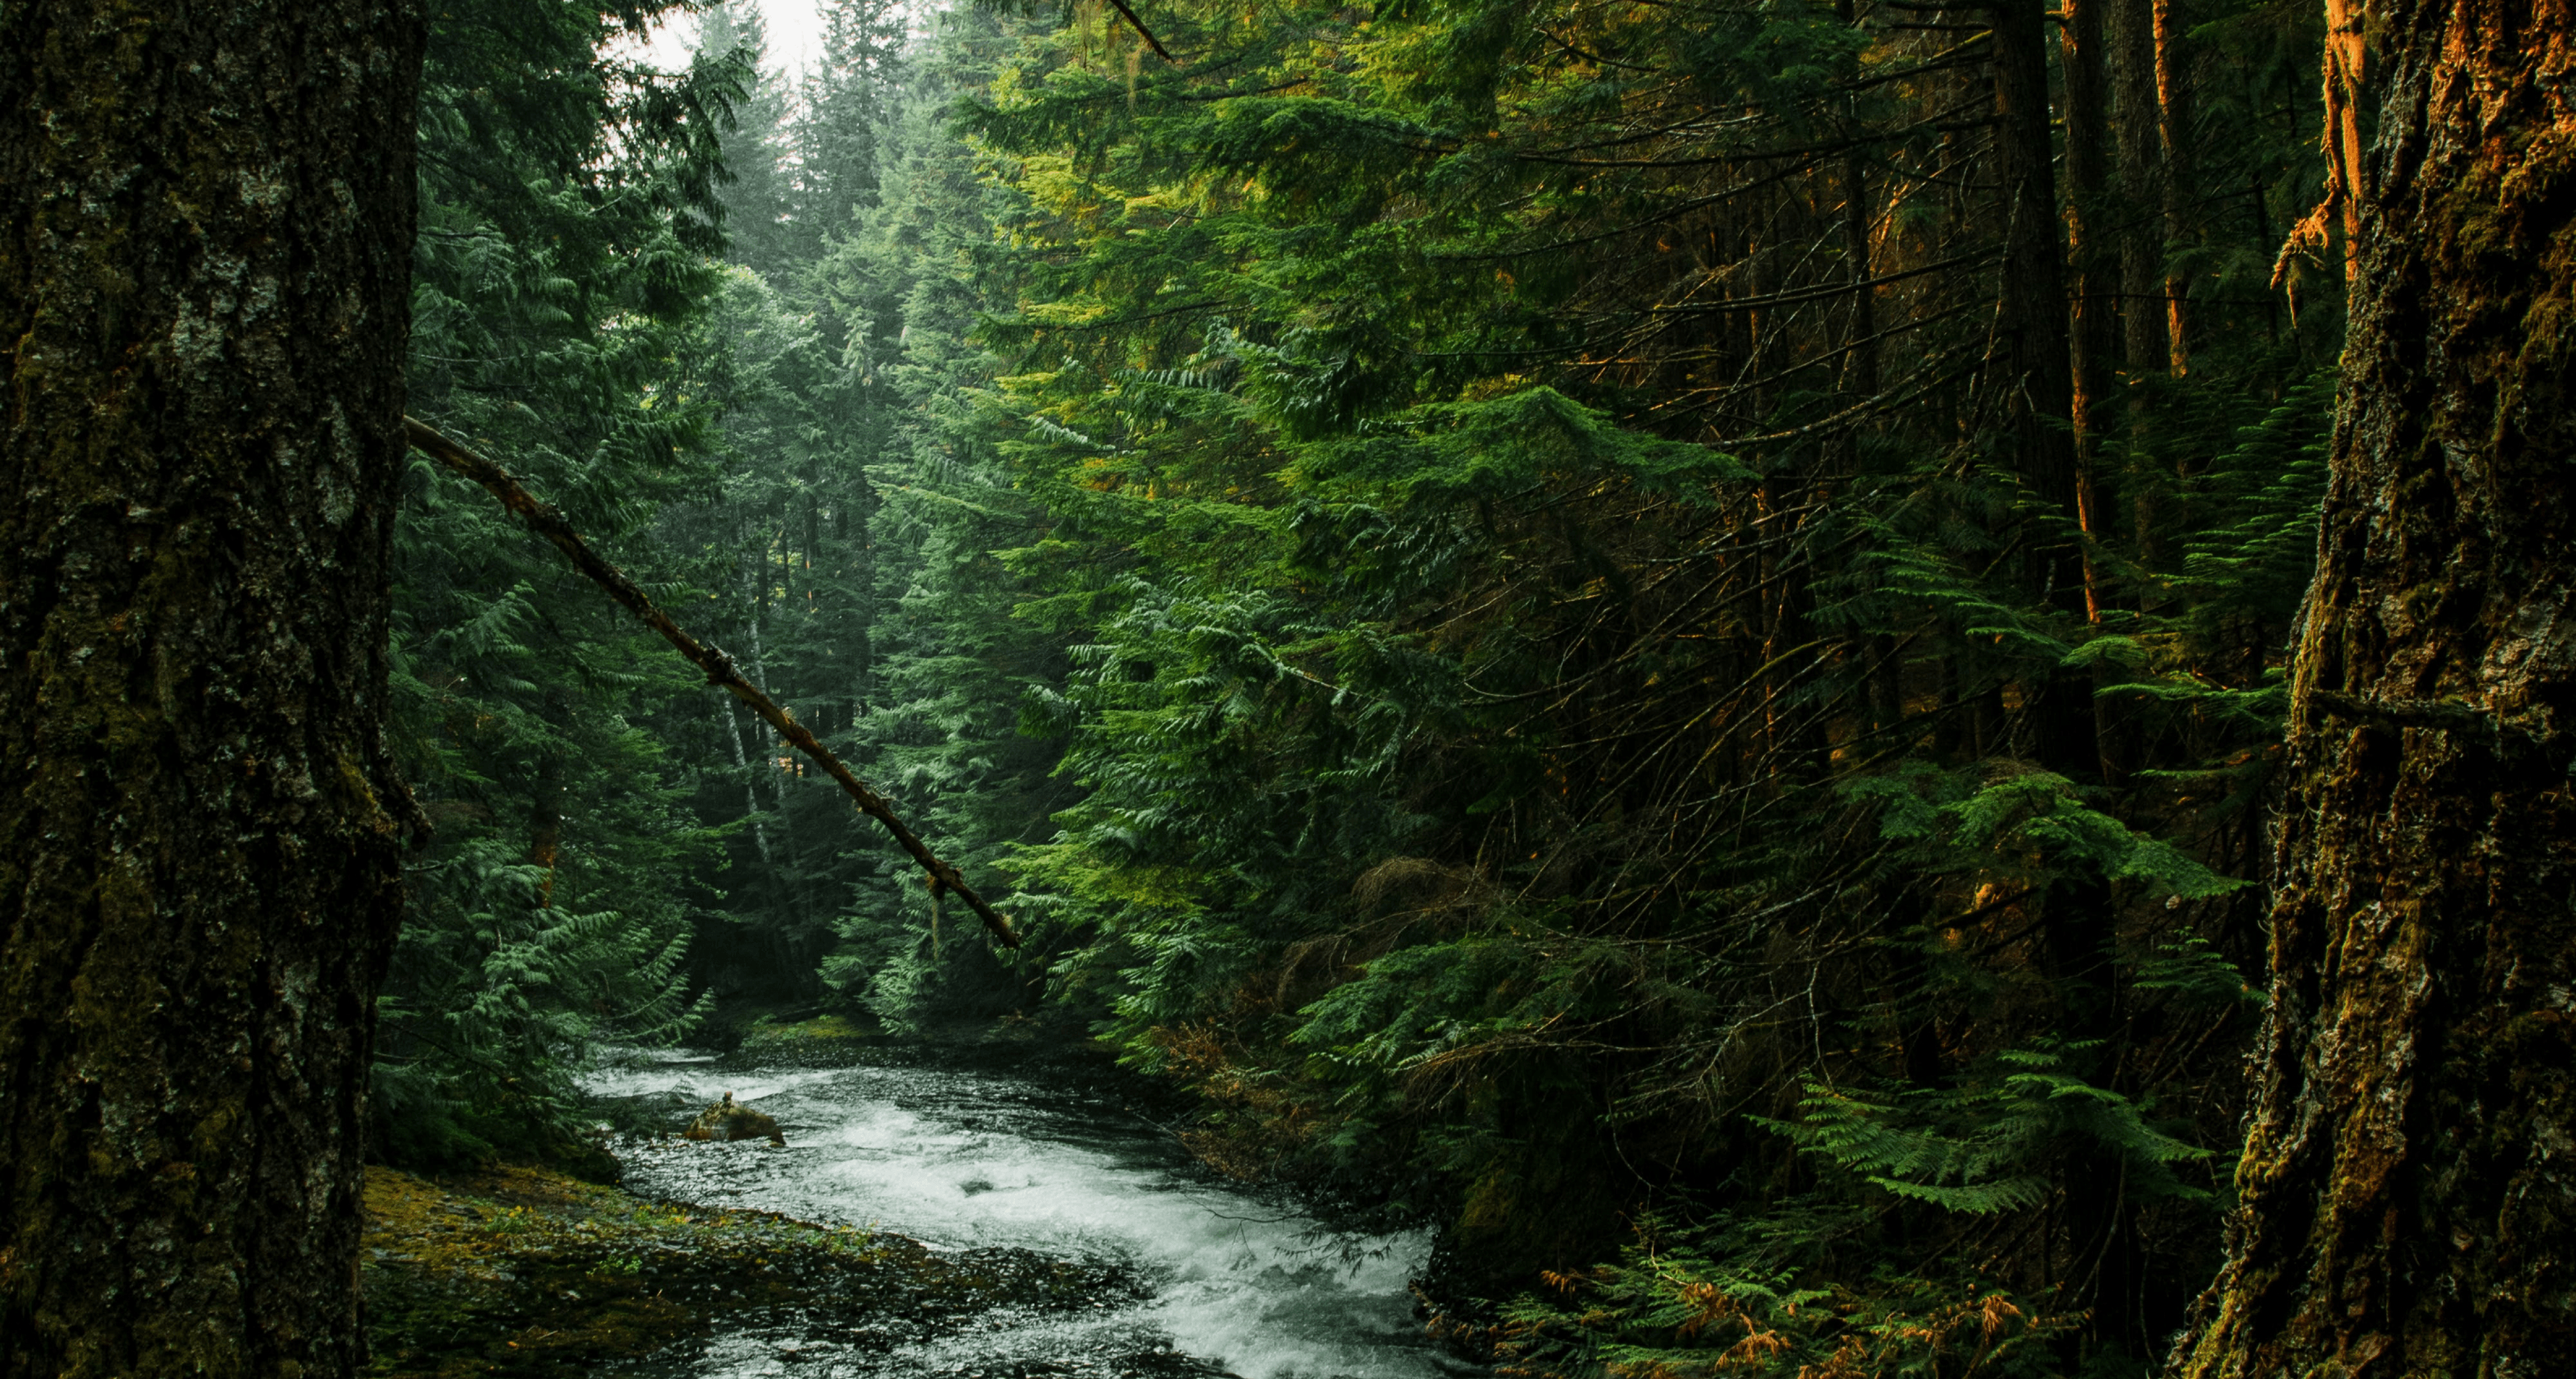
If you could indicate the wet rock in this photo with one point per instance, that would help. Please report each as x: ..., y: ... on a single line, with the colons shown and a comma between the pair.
x: 728, y: 1121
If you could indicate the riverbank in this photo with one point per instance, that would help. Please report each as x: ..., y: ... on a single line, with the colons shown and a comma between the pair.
x: 523, y: 1271
x: 984, y: 1139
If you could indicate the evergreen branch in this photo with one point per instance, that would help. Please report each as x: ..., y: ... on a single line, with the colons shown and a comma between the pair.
x: 1808, y: 294
x: 548, y: 523
x: 1121, y: 321
x: 1560, y: 156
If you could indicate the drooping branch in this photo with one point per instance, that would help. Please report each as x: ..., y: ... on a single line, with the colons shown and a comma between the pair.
x: 546, y: 522
x: 1141, y: 31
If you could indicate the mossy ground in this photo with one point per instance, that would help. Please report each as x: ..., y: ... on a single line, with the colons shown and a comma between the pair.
x: 763, y: 1036
x: 522, y: 1271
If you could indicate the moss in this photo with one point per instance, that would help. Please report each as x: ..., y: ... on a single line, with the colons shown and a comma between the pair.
x: 820, y: 1029
x: 727, y: 1121
x: 526, y: 1271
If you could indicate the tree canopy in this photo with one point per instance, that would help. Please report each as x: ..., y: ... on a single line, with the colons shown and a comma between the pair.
x: 1657, y: 636
x: 1583, y: 614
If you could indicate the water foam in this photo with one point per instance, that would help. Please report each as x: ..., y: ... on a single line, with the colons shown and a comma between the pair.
x: 969, y: 1160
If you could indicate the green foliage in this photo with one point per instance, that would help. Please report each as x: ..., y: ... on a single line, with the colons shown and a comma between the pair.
x: 846, y: 548
x: 1529, y: 639
x: 2026, y: 824
x: 1720, y: 1298
x: 1460, y: 599
x: 1984, y: 1144
x: 2192, y: 969
x: 567, y: 207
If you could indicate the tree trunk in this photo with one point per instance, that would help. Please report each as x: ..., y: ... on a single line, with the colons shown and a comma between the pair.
x: 2033, y: 365
x: 2094, y: 334
x: 2032, y: 361
x: 2137, y: 128
x: 205, y: 257
x: 2405, y: 1200
x: 545, y: 823
x: 2347, y: 79
x: 750, y: 797
x: 2093, y: 253
x: 2176, y: 117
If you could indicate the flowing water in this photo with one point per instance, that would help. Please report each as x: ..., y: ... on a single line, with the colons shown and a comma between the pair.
x: 1044, y: 1157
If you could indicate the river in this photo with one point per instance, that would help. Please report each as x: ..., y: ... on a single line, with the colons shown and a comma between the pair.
x: 1045, y: 1155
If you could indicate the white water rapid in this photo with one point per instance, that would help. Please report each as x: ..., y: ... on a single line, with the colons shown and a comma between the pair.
x: 1036, y: 1159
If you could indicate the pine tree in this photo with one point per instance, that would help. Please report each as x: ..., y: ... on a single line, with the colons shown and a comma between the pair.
x: 562, y: 281
x: 759, y: 198
x: 842, y: 108
x: 950, y: 662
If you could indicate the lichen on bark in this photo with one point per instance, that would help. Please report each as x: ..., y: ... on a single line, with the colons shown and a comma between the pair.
x: 205, y: 240
x: 2407, y: 1194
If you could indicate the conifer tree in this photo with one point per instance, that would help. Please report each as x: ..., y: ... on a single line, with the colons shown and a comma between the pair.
x: 2402, y: 1207
x: 781, y: 536
x: 952, y: 662
x: 758, y: 195
x: 562, y: 278
x: 209, y: 214
x: 842, y: 108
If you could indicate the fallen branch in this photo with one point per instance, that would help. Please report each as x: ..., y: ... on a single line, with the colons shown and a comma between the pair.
x: 548, y: 523
x: 1141, y: 31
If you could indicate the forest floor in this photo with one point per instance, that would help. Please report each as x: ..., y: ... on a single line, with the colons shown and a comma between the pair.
x: 524, y: 1271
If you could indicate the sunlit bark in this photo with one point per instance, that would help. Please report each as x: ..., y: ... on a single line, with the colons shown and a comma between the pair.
x: 2405, y: 1203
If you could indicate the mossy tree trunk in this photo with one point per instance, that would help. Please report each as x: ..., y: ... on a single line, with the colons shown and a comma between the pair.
x: 2408, y: 1185
x: 205, y: 245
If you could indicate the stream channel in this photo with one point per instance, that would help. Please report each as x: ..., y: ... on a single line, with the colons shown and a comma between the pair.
x: 967, y: 1153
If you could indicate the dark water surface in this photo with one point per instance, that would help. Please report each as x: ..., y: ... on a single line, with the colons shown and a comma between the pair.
x: 990, y: 1154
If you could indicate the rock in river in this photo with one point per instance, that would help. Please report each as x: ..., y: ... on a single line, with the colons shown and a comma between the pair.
x: 727, y: 1121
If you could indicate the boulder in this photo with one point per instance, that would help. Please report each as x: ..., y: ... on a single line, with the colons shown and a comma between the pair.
x: 728, y: 1121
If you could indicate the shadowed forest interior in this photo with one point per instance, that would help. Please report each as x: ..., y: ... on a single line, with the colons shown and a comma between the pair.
x: 1652, y: 635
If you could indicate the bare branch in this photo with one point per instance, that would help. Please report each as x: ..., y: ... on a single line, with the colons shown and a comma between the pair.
x: 1141, y: 32
x: 546, y: 522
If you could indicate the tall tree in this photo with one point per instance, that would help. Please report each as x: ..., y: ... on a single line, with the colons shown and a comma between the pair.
x: 758, y: 199
x: 950, y: 668
x: 2405, y: 1206
x: 204, y: 298
x: 843, y: 104
x: 560, y: 290
x: 1463, y: 739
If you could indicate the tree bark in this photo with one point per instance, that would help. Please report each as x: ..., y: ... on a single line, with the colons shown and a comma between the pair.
x: 2405, y: 1199
x: 2032, y: 363
x: 205, y: 257
x: 2347, y: 79
x: 2032, y: 360
x: 2094, y: 334
x: 2137, y: 130
x: 2175, y: 119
